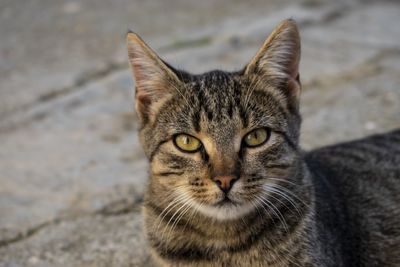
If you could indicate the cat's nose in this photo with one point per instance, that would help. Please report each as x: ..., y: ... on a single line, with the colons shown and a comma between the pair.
x: 225, y: 182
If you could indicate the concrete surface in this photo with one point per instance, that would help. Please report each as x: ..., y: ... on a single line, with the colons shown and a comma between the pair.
x: 71, y: 170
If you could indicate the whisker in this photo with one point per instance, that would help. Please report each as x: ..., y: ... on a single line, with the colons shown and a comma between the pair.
x: 169, y: 221
x: 283, y: 180
x: 283, y: 195
x: 170, y: 205
x: 180, y: 216
x: 185, y: 201
x: 287, y: 190
x: 256, y: 206
x: 276, y: 212
x: 280, y: 201
x: 192, y: 215
x: 167, y: 209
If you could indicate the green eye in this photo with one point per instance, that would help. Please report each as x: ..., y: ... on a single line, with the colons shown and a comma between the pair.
x: 187, y: 143
x: 256, y: 137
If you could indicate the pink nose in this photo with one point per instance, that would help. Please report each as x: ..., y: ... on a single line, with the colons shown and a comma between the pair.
x: 225, y: 182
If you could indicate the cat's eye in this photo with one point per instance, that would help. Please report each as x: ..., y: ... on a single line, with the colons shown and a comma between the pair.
x: 256, y: 137
x: 187, y: 142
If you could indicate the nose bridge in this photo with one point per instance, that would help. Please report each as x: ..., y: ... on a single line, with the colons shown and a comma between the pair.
x: 223, y: 151
x: 224, y: 169
x: 224, y: 162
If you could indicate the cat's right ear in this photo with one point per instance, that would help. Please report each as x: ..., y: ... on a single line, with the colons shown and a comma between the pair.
x: 153, y: 78
x: 278, y: 59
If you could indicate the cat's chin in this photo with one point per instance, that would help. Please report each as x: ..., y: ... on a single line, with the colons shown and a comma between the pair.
x: 225, y: 210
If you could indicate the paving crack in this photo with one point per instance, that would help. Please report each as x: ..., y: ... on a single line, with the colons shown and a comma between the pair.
x: 85, y: 78
x: 121, y: 206
x: 27, y: 233
x: 115, y: 208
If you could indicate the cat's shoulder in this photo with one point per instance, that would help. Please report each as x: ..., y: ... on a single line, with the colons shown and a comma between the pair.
x: 359, y: 170
x: 374, y: 152
x: 359, y: 166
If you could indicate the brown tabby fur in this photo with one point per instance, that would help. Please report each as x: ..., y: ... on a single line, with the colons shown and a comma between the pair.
x: 287, y: 207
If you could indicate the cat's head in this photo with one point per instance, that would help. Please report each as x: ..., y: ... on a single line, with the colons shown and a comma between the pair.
x: 220, y: 141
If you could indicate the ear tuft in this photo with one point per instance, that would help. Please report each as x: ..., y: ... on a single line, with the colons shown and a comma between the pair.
x: 280, y: 54
x: 154, y: 79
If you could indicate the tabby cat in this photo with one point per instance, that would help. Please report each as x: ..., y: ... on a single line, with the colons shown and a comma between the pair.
x: 229, y: 184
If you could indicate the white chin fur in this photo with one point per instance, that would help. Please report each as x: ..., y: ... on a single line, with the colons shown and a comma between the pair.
x: 225, y: 212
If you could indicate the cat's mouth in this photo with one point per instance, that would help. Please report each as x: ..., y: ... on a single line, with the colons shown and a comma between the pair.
x: 225, y: 201
x: 225, y: 208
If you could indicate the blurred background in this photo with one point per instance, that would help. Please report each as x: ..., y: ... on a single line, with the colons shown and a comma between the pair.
x: 71, y: 170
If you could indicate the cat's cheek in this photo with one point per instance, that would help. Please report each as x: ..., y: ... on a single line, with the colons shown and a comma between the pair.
x: 240, y: 194
x: 214, y: 194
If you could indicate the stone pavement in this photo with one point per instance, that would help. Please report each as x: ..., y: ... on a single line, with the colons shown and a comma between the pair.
x: 71, y: 170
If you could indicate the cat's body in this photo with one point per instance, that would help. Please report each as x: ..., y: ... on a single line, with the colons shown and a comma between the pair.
x: 356, y: 218
x: 357, y: 188
x: 229, y: 184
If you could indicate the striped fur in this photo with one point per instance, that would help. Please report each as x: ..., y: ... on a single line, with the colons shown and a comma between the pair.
x: 287, y: 208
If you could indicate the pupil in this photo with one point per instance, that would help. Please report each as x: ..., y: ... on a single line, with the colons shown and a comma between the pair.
x: 186, y: 140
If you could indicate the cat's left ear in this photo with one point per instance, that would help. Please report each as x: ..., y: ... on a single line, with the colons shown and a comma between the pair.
x: 278, y: 59
x: 155, y: 81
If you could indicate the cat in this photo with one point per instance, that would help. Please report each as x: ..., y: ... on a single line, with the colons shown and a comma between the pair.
x: 229, y: 184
